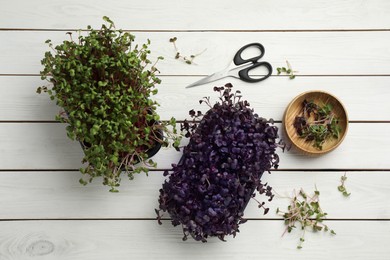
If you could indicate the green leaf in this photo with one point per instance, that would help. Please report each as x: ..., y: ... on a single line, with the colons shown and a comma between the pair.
x: 114, y: 159
x: 93, y: 131
x: 102, y: 83
x: 108, y: 20
x: 317, y: 228
x: 173, y: 39
x: 82, y: 182
x: 346, y: 194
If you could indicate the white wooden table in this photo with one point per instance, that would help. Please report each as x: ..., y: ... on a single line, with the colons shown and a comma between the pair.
x: 342, y: 47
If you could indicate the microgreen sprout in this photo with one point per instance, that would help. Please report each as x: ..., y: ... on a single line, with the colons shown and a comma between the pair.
x: 341, y: 187
x: 304, y: 210
x: 289, y: 71
x: 221, y: 168
x: 189, y: 60
x: 105, y: 84
x: 317, y: 123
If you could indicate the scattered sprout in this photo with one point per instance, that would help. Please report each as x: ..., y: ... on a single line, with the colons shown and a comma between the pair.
x: 342, y: 188
x: 289, y: 71
x: 306, y: 211
x: 189, y: 60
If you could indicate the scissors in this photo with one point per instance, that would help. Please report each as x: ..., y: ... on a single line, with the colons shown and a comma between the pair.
x: 239, y: 64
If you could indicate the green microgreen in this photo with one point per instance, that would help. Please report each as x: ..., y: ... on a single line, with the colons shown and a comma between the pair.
x: 105, y: 85
x: 288, y: 71
x: 306, y: 211
x: 341, y: 187
x: 317, y: 123
x: 188, y: 60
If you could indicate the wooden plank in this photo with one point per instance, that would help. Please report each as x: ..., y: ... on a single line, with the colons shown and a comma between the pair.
x: 310, y: 53
x: 199, y: 15
x: 46, y: 146
x: 271, y: 97
x: 58, y: 195
x: 19, y: 101
x: 38, y: 146
x: 361, y: 221
x: 87, y: 240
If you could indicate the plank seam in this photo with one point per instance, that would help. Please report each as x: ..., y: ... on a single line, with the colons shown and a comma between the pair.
x: 178, y: 121
x: 204, y: 75
x: 168, y: 219
x: 206, y: 30
x: 170, y: 169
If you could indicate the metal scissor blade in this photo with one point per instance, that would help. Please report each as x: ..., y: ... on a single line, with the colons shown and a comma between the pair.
x: 210, y: 78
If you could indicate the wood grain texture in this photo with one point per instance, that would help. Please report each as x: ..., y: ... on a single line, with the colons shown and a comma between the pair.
x: 46, y: 214
x: 95, y: 240
x: 202, y: 15
x: 58, y: 195
x: 19, y: 101
x: 310, y: 53
x: 46, y: 146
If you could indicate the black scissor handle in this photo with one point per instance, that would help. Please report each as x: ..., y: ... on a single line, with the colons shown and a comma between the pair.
x: 238, y: 60
x: 244, y: 73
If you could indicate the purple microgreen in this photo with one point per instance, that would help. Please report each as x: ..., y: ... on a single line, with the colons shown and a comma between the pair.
x: 317, y: 123
x: 230, y: 147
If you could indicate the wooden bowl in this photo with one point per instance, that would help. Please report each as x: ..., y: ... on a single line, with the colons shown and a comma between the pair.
x: 295, y: 108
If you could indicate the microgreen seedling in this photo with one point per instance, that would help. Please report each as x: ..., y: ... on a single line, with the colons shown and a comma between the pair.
x: 221, y: 168
x: 104, y: 84
x: 304, y: 210
x: 317, y: 123
x: 288, y: 71
x: 341, y: 187
x: 188, y: 60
